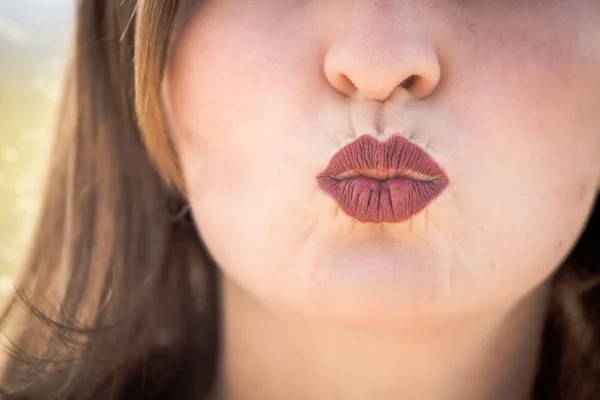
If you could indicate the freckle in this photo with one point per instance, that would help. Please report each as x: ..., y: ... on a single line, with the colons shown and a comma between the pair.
x: 560, y: 244
x: 493, y: 265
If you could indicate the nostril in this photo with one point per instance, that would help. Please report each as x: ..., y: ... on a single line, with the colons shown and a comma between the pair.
x: 409, y: 82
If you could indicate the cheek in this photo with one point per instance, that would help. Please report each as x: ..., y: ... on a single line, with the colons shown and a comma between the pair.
x: 237, y: 85
x: 528, y: 116
x: 241, y: 134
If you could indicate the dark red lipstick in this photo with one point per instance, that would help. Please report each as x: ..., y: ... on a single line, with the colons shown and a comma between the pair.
x: 389, y: 181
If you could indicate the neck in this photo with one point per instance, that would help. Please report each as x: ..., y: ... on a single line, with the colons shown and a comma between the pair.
x: 267, y: 356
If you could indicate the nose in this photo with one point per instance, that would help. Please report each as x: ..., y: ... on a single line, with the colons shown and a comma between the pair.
x: 380, y: 54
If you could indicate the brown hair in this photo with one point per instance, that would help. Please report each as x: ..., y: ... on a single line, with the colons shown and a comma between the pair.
x: 117, y: 300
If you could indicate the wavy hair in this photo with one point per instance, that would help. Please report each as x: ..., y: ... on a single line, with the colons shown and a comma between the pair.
x: 117, y: 298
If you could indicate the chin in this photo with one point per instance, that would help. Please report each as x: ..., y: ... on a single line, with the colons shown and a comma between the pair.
x: 382, y: 284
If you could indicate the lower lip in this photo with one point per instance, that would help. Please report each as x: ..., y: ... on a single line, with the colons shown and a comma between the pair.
x: 390, y: 200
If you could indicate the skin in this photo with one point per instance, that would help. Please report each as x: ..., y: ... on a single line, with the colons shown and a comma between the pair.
x: 448, y: 305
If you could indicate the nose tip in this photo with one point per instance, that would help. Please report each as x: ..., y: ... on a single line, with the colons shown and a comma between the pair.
x: 375, y: 69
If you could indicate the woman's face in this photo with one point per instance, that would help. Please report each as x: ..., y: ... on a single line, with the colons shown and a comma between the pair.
x: 505, y: 97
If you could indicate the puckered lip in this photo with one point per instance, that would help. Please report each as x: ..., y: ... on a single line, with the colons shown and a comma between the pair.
x: 395, y: 158
x: 389, y: 181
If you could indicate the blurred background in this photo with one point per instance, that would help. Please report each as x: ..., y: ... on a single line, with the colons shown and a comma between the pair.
x: 34, y: 41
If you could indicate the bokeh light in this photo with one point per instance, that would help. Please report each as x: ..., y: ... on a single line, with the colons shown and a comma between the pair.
x: 34, y: 41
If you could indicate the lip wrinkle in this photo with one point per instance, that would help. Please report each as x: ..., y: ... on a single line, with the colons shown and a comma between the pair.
x: 413, y: 179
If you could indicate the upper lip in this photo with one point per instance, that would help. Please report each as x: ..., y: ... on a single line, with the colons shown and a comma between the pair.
x: 395, y: 158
